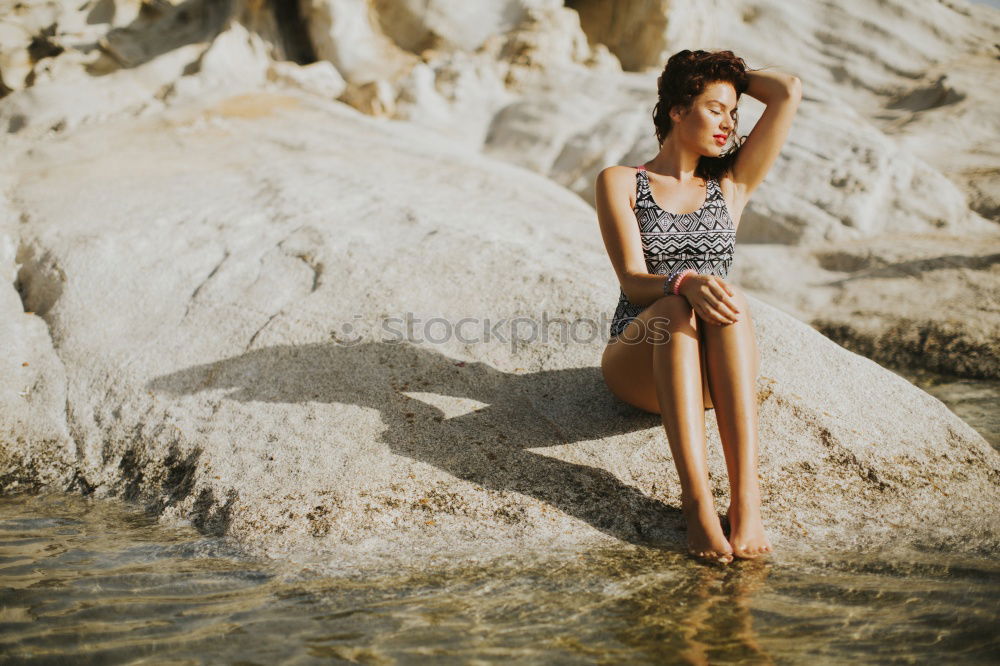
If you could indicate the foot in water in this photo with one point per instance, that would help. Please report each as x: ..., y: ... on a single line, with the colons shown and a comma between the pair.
x: 705, y: 538
x: 746, y: 531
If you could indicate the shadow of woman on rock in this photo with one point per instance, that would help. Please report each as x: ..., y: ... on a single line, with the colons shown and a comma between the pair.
x: 488, y: 446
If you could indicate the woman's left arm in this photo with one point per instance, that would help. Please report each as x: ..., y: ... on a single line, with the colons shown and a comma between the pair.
x: 781, y: 93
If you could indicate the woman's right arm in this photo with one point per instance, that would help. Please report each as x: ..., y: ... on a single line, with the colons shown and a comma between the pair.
x: 709, y: 295
x: 620, y: 231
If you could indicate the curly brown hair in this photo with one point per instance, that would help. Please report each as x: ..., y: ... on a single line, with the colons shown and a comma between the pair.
x: 682, y: 80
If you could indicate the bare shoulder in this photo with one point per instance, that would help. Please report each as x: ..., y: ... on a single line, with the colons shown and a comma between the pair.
x: 616, y: 175
x: 617, y: 181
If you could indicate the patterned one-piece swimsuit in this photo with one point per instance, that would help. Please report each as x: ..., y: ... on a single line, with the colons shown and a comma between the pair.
x: 703, y: 240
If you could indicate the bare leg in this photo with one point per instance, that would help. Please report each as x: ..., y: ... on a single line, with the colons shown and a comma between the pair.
x: 678, y: 381
x: 732, y: 370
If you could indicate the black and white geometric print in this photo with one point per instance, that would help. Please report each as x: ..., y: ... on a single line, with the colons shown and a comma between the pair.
x: 703, y: 240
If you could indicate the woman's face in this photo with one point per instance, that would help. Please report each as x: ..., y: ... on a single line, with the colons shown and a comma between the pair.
x: 712, y: 113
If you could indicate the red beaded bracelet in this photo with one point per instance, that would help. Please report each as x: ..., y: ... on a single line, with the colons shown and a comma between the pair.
x: 680, y: 278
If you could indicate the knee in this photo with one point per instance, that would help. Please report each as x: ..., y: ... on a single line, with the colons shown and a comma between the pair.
x: 675, y: 308
x: 672, y: 313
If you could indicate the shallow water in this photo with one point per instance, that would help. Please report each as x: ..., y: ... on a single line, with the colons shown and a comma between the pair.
x: 95, y: 581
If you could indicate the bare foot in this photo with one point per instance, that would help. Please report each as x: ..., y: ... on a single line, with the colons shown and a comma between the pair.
x: 705, y: 539
x: 746, y: 531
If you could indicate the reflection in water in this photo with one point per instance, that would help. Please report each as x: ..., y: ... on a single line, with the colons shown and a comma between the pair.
x: 97, y: 581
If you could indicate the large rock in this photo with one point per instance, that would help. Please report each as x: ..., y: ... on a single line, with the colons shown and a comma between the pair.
x: 216, y: 306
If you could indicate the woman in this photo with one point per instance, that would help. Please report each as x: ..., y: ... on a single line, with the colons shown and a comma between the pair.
x: 682, y: 340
